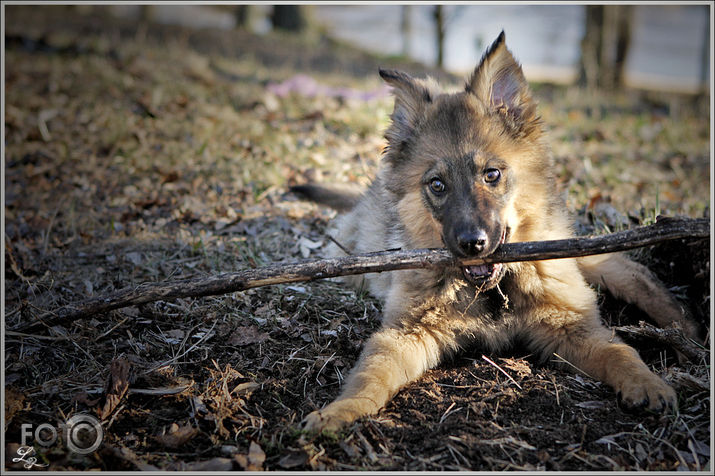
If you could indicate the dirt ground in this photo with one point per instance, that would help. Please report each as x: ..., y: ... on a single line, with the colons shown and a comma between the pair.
x: 141, y: 153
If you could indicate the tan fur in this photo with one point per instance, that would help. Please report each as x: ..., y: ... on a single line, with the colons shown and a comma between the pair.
x: 429, y: 314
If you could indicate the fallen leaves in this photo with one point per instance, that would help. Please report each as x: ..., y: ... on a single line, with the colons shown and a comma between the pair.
x: 116, y: 386
x: 210, y: 465
x: 253, y: 461
x: 177, y: 435
x: 293, y: 459
x: 247, y: 335
x: 14, y: 403
x: 223, y: 401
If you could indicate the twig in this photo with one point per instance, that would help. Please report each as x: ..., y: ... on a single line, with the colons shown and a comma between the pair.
x: 664, y: 229
x: 448, y: 412
x: 501, y: 370
x: 339, y: 245
x: 671, y: 336
x: 112, y: 329
x: 203, y: 338
x: 33, y: 336
x: 556, y: 388
x: 561, y: 359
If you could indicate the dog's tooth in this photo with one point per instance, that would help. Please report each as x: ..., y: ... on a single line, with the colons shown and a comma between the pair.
x: 478, y: 270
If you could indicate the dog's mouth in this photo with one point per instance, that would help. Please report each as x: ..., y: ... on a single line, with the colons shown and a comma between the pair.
x: 488, y: 274
x: 482, y: 273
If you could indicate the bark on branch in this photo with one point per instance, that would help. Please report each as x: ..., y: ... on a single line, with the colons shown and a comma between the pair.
x: 671, y: 336
x: 664, y: 229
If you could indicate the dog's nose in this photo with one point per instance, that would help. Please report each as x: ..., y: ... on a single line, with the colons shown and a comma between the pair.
x: 472, y: 242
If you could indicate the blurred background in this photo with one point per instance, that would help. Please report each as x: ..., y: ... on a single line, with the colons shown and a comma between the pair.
x: 658, y: 47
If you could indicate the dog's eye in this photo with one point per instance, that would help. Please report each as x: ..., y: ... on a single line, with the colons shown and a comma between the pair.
x: 437, y: 186
x: 492, y: 175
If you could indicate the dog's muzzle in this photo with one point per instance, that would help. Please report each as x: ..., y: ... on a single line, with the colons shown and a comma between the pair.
x: 485, y: 275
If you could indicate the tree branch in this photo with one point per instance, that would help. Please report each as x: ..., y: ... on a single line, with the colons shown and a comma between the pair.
x: 664, y: 229
x: 671, y: 336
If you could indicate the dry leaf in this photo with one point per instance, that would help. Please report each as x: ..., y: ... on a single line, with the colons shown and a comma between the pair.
x: 134, y: 257
x: 350, y: 449
x: 129, y: 456
x: 253, y: 461
x: 246, y: 336
x: 293, y: 459
x: 14, y: 402
x: 174, y: 336
x: 116, y: 387
x: 200, y: 405
x: 213, y: 465
x: 177, y: 436
x: 245, y: 388
x: 521, y: 367
x: 83, y: 397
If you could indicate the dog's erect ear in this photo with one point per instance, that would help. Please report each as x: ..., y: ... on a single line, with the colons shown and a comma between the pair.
x: 411, y: 97
x: 499, y: 82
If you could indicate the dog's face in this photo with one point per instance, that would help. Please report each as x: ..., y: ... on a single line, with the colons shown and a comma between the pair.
x: 467, y: 195
x: 454, y: 159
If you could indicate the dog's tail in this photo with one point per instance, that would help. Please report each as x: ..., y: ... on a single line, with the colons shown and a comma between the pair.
x: 342, y: 198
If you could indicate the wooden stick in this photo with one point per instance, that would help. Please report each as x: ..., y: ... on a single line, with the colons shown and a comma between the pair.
x: 671, y: 336
x: 664, y: 229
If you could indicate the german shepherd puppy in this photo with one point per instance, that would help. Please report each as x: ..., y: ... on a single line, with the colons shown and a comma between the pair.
x: 469, y: 171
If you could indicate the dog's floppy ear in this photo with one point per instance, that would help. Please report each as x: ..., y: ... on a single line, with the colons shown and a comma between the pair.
x: 411, y: 97
x: 499, y: 82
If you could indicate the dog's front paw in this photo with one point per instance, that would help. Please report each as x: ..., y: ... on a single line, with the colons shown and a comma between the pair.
x: 647, y: 391
x: 316, y: 422
x: 331, y: 418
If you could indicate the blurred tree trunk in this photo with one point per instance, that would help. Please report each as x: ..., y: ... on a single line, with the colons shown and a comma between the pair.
x: 439, y: 23
x: 288, y: 17
x: 591, y: 46
x: 604, y: 47
x: 616, y: 41
x: 406, y: 30
x: 241, y: 15
x: 146, y: 13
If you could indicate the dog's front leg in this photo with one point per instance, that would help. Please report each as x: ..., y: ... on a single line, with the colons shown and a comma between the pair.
x: 392, y: 357
x: 591, y: 348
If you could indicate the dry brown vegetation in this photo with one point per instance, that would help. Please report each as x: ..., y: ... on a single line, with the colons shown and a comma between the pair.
x: 138, y: 154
